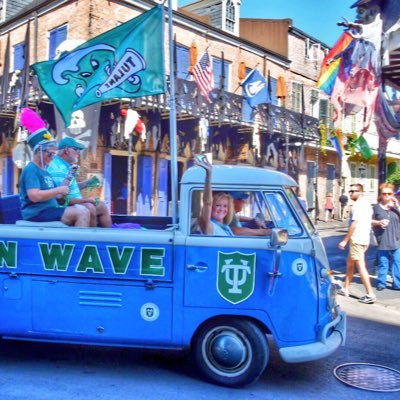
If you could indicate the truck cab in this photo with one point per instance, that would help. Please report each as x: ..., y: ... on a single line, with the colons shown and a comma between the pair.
x: 168, y: 286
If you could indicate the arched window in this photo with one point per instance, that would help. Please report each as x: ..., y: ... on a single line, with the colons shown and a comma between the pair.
x: 230, y: 16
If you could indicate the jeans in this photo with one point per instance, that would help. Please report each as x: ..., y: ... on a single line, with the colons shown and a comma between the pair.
x: 383, y: 267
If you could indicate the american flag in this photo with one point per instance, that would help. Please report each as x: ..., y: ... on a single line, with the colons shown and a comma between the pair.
x: 203, y: 76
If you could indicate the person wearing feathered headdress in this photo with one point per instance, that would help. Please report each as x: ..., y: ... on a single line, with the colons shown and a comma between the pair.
x: 38, y: 193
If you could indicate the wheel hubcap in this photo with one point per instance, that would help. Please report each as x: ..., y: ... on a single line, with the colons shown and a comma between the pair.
x: 227, y: 351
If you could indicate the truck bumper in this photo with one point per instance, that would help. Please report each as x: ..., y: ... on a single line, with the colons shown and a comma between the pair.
x: 324, y: 347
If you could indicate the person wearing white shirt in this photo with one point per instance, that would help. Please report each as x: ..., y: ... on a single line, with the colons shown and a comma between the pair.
x: 359, y: 237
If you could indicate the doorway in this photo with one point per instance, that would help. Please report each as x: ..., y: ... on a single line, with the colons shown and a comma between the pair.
x: 119, y: 184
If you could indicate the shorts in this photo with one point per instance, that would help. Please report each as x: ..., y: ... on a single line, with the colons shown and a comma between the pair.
x: 357, y: 251
x: 49, y: 214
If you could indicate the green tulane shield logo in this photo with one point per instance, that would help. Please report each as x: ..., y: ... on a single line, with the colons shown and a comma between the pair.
x: 236, y: 276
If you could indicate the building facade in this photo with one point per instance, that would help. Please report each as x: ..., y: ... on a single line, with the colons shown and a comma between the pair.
x: 284, y: 134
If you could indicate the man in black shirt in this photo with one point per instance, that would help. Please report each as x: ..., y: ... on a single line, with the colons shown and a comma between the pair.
x: 343, y: 200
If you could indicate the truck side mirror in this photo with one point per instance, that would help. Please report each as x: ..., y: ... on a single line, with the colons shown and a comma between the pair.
x: 279, y: 237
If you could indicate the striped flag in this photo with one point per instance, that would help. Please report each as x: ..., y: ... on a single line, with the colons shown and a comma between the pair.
x: 337, y: 142
x: 203, y: 76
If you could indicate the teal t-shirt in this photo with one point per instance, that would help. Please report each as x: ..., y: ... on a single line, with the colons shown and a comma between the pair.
x: 33, y: 177
x: 59, y: 170
x: 221, y: 229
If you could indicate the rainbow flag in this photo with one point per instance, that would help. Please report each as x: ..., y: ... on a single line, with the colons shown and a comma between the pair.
x: 337, y: 141
x: 331, y: 64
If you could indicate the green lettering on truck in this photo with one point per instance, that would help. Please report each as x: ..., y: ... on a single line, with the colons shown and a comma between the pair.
x: 8, y: 254
x: 56, y: 256
x: 152, y: 261
x: 90, y: 260
x: 120, y: 262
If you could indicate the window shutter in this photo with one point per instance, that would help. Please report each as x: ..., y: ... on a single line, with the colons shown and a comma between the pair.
x: 272, y: 89
x: 323, y: 111
x: 183, y: 63
x: 57, y: 36
x: 296, y: 97
x: 216, y: 67
x: 19, y: 50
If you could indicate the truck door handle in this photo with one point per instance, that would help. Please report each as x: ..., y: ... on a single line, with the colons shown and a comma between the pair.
x: 200, y: 268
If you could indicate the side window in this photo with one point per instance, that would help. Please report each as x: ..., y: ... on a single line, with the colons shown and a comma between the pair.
x: 248, y: 213
x: 56, y: 37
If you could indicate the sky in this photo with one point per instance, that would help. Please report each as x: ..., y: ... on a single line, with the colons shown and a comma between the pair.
x: 315, y: 17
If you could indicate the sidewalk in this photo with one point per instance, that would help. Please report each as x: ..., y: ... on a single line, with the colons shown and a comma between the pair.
x: 388, y: 298
x: 334, y: 225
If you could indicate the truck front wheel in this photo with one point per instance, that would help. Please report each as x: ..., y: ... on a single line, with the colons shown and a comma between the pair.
x: 231, y: 353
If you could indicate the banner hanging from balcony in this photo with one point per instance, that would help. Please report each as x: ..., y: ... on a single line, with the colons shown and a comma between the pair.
x: 124, y: 62
x: 255, y: 88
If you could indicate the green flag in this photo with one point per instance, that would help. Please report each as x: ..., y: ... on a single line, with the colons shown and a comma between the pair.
x: 363, y: 147
x: 127, y: 61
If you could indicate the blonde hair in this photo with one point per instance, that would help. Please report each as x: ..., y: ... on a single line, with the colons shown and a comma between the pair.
x: 222, y: 195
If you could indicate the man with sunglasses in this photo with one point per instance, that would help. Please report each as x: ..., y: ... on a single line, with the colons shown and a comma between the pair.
x: 64, y: 169
x: 359, y: 237
x: 38, y: 192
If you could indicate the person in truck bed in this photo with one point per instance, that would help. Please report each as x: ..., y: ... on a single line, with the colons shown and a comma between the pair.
x: 38, y: 192
x: 59, y: 168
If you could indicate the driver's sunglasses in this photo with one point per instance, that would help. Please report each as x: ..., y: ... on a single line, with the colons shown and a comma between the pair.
x: 76, y: 149
x: 49, y: 154
x: 353, y: 191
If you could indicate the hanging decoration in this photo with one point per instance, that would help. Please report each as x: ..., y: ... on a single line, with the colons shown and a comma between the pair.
x: 133, y: 124
x: 192, y: 56
x: 323, y: 138
x: 241, y: 71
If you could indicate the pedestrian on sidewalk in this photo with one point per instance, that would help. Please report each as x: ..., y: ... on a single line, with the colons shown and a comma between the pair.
x: 343, y: 200
x: 386, y: 226
x: 329, y: 207
x: 359, y: 237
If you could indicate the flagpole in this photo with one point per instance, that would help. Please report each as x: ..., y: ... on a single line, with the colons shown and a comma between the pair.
x: 172, y: 121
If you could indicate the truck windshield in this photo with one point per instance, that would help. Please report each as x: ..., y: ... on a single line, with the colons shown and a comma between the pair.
x: 300, y: 210
x: 282, y: 214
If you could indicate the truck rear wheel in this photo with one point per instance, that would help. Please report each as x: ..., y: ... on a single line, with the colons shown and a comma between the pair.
x: 231, y: 353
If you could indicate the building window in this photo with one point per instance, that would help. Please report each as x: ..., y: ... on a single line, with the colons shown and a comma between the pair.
x: 230, y: 16
x: 19, y: 61
x: 296, y: 97
x: 182, y: 63
x: 330, y: 178
x: 353, y: 173
x: 221, y: 73
x: 272, y: 90
x: 56, y: 37
x: 314, y: 103
x: 326, y: 112
x: 2, y: 11
x: 371, y: 176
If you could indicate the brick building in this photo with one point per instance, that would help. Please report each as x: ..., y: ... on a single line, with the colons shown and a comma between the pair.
x: 282, y: 135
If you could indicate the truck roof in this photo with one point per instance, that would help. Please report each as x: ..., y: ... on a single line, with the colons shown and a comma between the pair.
x: 238, y: 175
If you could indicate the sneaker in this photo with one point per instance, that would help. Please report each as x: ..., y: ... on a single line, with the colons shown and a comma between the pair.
x: 343, y: 292
x: 367, y: 299
x: 379, y: 288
